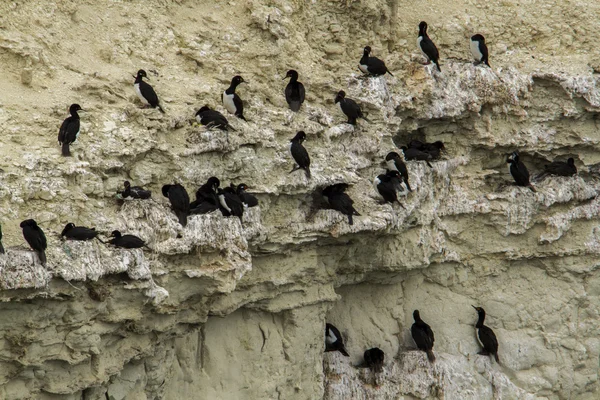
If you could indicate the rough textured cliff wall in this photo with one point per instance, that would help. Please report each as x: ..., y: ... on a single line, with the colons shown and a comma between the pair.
x: 224, y: 311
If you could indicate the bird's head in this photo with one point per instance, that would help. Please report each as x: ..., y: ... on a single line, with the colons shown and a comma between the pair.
x: 74, y: 108
x: 28, y: 222
x: 300, y: 137
x: 67, y: 228
x: 392, y: 155
x: 291, y: 74
x: 203, y: 109
x: 237, y: 80
x: 165, y: 190
x: 341, y: 95
x: 478, y: 38
x: 214, y: 182
x: 478, y: 309
x: 142, y: 74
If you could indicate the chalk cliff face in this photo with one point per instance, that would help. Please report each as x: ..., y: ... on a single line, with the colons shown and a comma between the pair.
x: 221, y: 310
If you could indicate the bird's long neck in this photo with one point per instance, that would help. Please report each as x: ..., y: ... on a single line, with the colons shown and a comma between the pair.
x: 480, y: 320
x: 293, y: 79
x: 74, y: 114
x: 423, y: 31
x: 138, y: 79
x: 365, y: 57
x: 231, y: 88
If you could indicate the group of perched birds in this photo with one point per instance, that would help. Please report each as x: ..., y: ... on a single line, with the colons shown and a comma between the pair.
x: 233, y: 200
x: 35, y: 237
x: 423, y: 336
x: 295, y: 92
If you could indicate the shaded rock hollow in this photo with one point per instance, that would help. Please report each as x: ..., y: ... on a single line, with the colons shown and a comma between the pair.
x: 225, y: 311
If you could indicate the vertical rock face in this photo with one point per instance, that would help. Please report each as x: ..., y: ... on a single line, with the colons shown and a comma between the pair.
x: 224, y: 310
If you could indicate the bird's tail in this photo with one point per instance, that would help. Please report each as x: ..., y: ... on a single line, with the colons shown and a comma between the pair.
x: 240, y: 116
x: 307, y: 171
x: 437, y: 64
x: 350, y: 221
x: 42, y: 255
x: 65, y: 149
x: 344, y: 352
x: 430, y: 355
x: 408, y: 186
x: 182, y: 216
x: 295, y: 106
x: 378, y: 368
x: 497, y: 358
x: 1, y: 248
x: 160, y: 108
x: 532, y: 188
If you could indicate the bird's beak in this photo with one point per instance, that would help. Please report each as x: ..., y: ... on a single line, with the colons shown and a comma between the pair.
x: 134, y: 77
x: 284, y: 78
x: 473, y: 306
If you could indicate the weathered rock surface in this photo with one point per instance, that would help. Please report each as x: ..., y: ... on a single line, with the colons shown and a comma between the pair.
x: 221, y: 310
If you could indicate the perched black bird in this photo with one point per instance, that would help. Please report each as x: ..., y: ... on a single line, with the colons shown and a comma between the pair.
x: 126, y: 241
x: 145, y: 92
x: 180, y: 201
x: 206, y: 197
x: 300, y: 154
x: 294, y: 91
x: 394, y: 162
x: 69, y: 130
x: 340, y: 201
x: 232, y: 102
x: 134, y: 192
x: 334, y: 340
x: 434, y: 149
x: 423, y: 336
x: 349, y: 107
x: 1, y: 246
x: 374, y: 359
x: 412, y: 154
x: 559, y: 168
x: 231, y: 205
x: 372, y: 65
x: 72, y: 232
x: 212, y: 119
x: 247, y: 199
x: 519, y: 171
x: 34, y: 235
x: 427, y: 47
x: 388, y: 185
x: 479, y: 50
x: 486, y: 336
